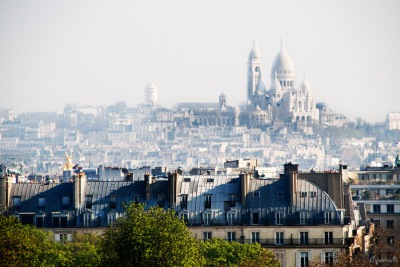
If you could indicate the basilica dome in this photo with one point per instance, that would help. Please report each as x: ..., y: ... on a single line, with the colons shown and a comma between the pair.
x: 282, y: 62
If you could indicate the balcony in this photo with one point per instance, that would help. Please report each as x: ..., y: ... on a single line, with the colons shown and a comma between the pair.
x: 297, y: 242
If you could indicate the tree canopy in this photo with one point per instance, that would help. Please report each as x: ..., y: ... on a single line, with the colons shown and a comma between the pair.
x: 152, y: 237
x: 24, y: 245
x: 218, y: 252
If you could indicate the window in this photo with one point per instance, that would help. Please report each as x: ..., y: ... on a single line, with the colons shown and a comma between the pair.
x: 377, y: 208
x: 279, y: 238
x: 207, y: 202
x: 255, y: 217
x: 113, y: 202
x: 255, y: 237
x: 328, y: 237
x: 256, y: 193
x: 279, y: 218
x: 207, y: 235
x: 39, y: 221
x: 328, y: 215
x: 42, y: 203
x: 231, y: 236
x: 303, y: 238
x: 303, y: 217
x: 16, y: 203
x: 389, y: 224
x: 390, y: 208
x: 88, y: 202
x: 313, y: 194
x: 160, y: 200
x: 303, y: 194
x: 390, y: 240
x: 232, y: 201
x: 280, y: 255
x: 184, y: 199
x: 279, y: 193
x: 136, y: 199
x: 60, y: 220
x: 231, y: 217
x: 303, y: 259
x: 87, y: 220
x: 62, y: 238
x: 65, y: 202
x: 111, y: 218
x: 186, y: 180
x: 328, y: 257
x: 184, y: 215
x: 207, y: 218
x: 210, y: 180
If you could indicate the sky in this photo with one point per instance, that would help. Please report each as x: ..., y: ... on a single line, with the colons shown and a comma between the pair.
x: 100, y: 52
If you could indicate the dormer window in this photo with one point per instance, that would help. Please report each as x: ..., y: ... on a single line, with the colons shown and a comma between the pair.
x: 303, y: 217
x: 160, y: 200
x: 207, y: 217
x: 231, y: 217
x: 113, y: 202
x: 207, y: 202
x: 328, y: 217
x: 255, y: 217
x: 17, y: 203
x: 88, y: 202
x: 279, y: 218
x: 65, y: 202
x: 111, y: 217
x: 232, y: 201
x: 87, y: 219
x: 184, y: 199
x: 184, y: 215
x: 41, y: 203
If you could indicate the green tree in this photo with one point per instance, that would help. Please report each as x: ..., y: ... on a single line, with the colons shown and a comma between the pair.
x: 82, y: 251
x: 218, y: 252
x: 25, y: 245
x: 152, y: 237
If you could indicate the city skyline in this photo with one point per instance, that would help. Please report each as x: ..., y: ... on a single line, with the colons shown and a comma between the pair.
x: 98, y: 53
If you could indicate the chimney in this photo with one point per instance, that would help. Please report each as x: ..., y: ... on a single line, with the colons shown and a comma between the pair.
x: 291, y: 171
x: 244, y: 187
x: 172, y: 177
x: 148, y: 182
x: 79, y: 189
x: 5, y: 189
x: 292, y: 186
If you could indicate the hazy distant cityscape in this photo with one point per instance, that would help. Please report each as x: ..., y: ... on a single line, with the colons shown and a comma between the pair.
x: 278, y: 123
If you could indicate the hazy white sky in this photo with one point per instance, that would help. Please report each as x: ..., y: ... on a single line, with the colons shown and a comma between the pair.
x: 100, y: 52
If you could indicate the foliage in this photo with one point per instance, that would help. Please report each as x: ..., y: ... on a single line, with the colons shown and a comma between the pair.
x: 83, y: 250
x: 24, y: 245
x: 152, y: 237
x: 218, y: 252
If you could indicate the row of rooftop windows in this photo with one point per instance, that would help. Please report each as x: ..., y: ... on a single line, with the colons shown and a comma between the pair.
x: 207, y: 218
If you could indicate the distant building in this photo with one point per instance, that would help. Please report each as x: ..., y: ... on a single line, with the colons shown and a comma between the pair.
x: 150, y: 93
x: 393, y: 121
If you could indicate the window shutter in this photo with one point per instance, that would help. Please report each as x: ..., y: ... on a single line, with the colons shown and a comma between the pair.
x: 57, y: 237
x: 69, y: 237
x: 298, y: 260
x: 310, y: 259
x: 322, y: 257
